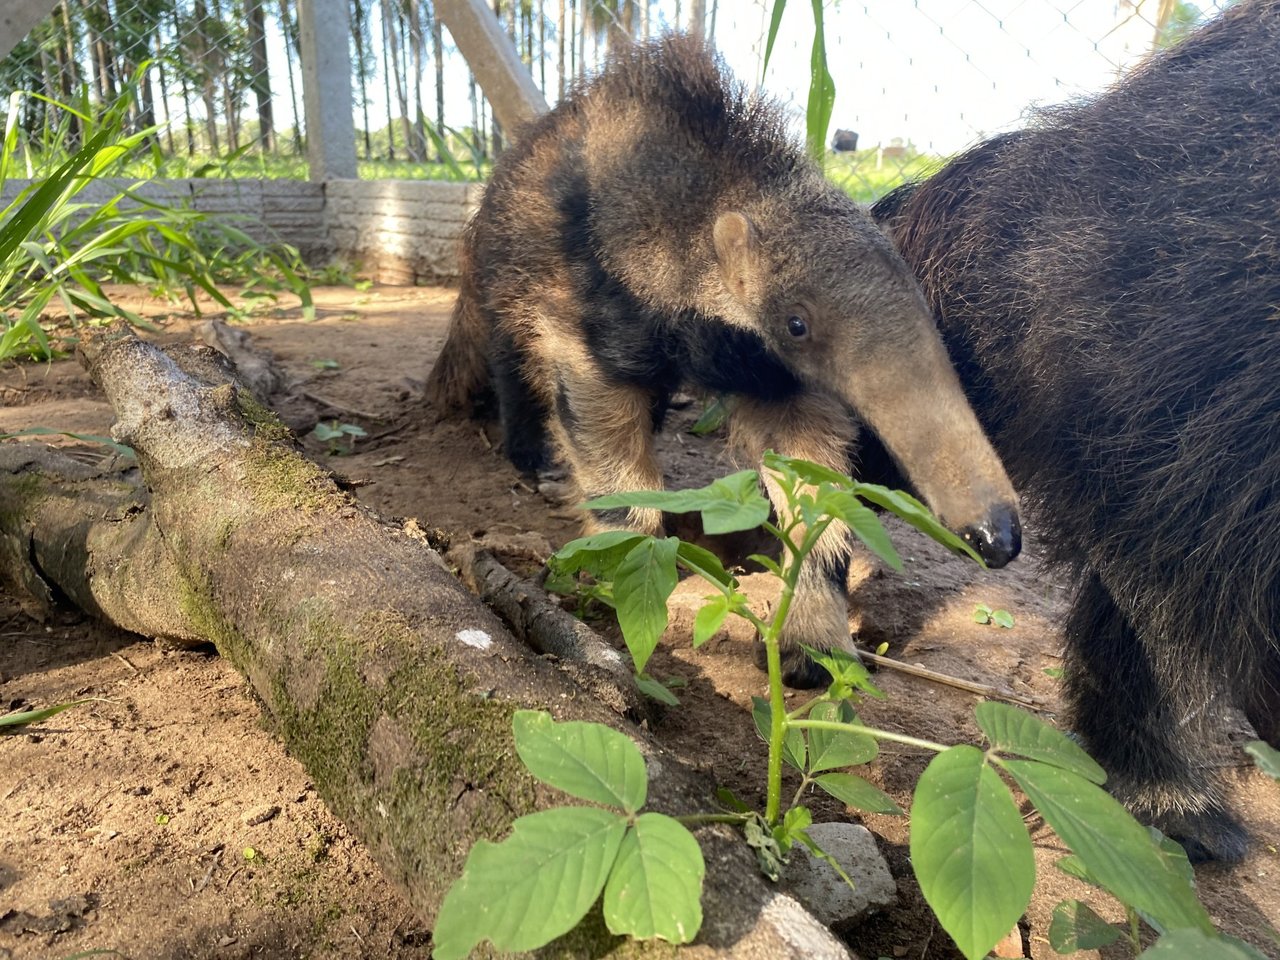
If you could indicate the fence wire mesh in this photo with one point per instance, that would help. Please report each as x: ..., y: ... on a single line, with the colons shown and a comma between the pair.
x: 916, y: 80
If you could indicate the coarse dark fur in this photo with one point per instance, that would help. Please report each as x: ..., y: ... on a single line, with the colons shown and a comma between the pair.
x: 659, y: 230
x: 1108, y: 283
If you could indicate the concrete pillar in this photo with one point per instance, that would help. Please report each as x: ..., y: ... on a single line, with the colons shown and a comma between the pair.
x: 18, y: 18
x: 493, y: 59
x: 324, y: 32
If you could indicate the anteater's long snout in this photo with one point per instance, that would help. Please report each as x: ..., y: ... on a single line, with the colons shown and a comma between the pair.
x: 997, y: 538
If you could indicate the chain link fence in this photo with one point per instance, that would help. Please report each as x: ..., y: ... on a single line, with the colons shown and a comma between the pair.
x: 917, y: 80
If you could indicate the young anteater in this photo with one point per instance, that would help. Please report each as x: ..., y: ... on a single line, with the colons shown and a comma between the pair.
x: 659, y: 229
x: 1108, y: 282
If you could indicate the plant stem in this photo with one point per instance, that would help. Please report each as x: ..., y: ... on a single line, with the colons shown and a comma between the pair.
x: 696, y: 819
x: 870, y: 731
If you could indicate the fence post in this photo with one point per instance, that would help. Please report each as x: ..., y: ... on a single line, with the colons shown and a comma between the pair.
x: 324, y: 33
x: 497, y: 67
x: 18, y: 18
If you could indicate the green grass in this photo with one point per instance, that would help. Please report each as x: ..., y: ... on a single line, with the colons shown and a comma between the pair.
x: 857, y: 174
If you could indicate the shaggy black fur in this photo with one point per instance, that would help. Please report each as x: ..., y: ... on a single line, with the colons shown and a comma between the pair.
x: 1108, y: 284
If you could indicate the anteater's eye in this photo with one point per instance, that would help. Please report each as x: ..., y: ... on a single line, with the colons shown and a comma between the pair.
x: 797, y: 327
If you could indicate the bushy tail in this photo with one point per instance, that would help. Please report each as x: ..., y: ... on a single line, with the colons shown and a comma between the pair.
x: 460, y: 375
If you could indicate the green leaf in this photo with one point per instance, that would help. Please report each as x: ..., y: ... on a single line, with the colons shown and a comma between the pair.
x: 864, y: 523
x: 794, y: 822
x: 657, y: 690
x: 586, y: 760
x: 599, y: 554
x: 1266, y: 757
x: 1200, y: 945
x: 768, y: 563
x: 712, y: 419
x: 532, y: 887
x: 831, y: 749
x: 704, y: 563
x: 970, y: 849
x: 1117, y: 851
x: 814, y: 474
x: 1073, y: 866
x: 774, y: 22
x: 727, y: 505
x: 916, y: 514
x: 822, y: 91
x: 710, y: 619
x: 641, y: 585
x: 828, y: 859
x: 1002, y: 618
x: 25, y: 718
x: 761, y: 839
x: 655, y: 888
x: 848, y: 674
x: 729, y: 800
x: 1012, y: 730
x: 793, y: 749
x: 1076, y: 927
x: 853, y: 791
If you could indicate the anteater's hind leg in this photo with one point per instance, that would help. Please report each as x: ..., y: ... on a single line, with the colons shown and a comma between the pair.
x: 605, y: 430
x: 1151, y: 719
x: 523, y: 412
x: 1261, y: 699
x: 816, y: 428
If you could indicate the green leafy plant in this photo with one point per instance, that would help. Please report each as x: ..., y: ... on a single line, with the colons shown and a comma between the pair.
x: 538, y: 883
x: 970, y: 848
x: 56, y: 245
x: 1000, y: 618
x: 333, y: 433
x: 14, y: 722
x: 822, y: 88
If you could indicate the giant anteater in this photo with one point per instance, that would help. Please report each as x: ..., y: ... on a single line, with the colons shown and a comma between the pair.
x: 659, y: 229
x: 1108, y: 283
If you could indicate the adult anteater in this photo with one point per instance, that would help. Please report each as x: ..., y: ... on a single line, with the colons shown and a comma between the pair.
x: 1108, y: 283
x: 659, y: 229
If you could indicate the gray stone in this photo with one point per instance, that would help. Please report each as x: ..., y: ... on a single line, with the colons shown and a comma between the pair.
x: 820, y: 888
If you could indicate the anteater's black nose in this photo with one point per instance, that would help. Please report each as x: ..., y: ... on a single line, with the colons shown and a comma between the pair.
x: 998, y: 538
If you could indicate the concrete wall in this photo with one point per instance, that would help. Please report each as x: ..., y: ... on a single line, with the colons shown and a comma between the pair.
x: 397, y: 231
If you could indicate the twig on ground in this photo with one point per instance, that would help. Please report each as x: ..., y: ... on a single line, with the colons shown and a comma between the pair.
x: 982, y: 689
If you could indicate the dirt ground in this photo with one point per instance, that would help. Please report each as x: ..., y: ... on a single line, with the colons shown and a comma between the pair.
x: 161, y: 820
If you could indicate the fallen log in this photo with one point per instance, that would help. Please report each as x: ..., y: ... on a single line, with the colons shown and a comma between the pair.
x: 391, y: 683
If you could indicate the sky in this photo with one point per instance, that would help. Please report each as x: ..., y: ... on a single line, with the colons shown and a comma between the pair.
x: 940, y: 74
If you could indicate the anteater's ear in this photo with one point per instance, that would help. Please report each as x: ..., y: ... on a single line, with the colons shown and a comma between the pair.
x: 737, y: 249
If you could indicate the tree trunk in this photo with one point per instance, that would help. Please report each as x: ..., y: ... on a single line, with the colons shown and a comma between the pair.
x: 360, y: 33
x: 260, y: 74
x: 418, y: 47
x: 390, y: 683
x: 291, y: 52
x: 437, y: 52
x: 560, y: 26
x: 391, y: 25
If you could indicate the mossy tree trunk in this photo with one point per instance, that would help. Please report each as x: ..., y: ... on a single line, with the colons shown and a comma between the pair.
x: 390, y: 682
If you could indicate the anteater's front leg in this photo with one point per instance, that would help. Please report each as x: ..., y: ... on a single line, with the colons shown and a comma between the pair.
x: 605, y: 431
x: 816, y: 428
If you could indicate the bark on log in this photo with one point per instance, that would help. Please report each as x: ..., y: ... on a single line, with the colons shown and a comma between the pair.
x: 393, y: 685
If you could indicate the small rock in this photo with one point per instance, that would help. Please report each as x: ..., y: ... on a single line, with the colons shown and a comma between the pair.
x: 226, y: 941
x: 821, y: 889
x: 1011, y: 945
x: 260, y: 815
